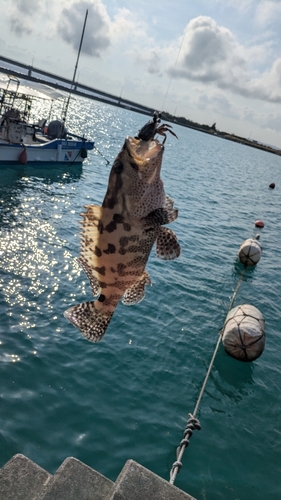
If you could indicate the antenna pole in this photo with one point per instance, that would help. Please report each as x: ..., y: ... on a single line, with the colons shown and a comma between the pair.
x: 75, y: 69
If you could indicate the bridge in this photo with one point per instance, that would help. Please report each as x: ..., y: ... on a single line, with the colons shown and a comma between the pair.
x: 30, y: 73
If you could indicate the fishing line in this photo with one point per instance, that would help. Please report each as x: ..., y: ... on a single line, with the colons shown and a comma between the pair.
x: 107, y: 161
x: 169, y: 84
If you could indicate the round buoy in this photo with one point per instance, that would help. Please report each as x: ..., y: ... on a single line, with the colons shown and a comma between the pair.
x: 243, y: 334
x: 272, y: 185
x: 259, y: 223
x: 23, y: 157
x: 250, y: 252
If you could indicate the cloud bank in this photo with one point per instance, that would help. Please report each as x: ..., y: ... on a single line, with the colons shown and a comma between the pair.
x: 210, y: 54
x: 205, y: 53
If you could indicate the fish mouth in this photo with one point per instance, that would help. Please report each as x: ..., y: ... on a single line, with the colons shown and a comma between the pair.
x: 145, y: 150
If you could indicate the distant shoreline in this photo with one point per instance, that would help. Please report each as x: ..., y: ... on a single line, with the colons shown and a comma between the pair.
x: 223, y: 135
x: 28, y: 73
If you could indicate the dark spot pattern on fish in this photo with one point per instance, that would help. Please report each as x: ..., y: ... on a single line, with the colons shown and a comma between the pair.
x: 118, y: 218
x: 111, y: 227
x: 135, y: 248
x: 121, y: 269
x: 126, y: 226
x: 87, y: 241
x: 110, y: 249
x: 100, y: 270
x: 124, y: 241
x: 100, y: 227
x: 109, y: 202
x: 117, y: 237
x: 112, y: 300
x: 97, y: 251
x: 137, y: 262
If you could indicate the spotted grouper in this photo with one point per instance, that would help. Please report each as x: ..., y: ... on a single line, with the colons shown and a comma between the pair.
x: 117, y: 237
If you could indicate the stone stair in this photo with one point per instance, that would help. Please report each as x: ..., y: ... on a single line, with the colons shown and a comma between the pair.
x: 22, y: 479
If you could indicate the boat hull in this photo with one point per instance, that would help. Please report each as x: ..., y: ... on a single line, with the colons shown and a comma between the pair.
x: 55, y: 151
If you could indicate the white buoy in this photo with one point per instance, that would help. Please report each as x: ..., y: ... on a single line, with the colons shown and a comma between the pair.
x: 250, y: 252
x: 243, y: 334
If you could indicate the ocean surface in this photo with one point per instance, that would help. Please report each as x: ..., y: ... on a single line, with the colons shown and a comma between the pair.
x: 130, y: 395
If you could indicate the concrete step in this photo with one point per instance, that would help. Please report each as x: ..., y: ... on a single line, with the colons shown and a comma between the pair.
x: 76, y: 481
x: 135, y: 482
x: 22, y: 479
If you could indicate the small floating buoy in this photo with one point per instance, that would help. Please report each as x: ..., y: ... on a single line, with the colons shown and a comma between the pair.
x: 23, y: 157
x: 259, y: 223
x: 243, y: 334
x: 272, y: 185
x: 250, y: 252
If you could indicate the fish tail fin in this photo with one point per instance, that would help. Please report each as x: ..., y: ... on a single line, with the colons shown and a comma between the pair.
x: 91, y: 322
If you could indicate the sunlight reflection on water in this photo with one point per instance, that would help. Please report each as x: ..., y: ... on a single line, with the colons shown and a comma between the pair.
x: 132, y: 392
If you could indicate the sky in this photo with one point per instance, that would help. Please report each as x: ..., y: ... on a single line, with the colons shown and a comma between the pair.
x: 211, y: 61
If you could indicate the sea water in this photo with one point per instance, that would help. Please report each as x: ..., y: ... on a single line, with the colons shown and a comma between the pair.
x: 130, y: 395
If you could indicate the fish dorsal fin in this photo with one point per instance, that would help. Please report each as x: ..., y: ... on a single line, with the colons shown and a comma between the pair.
x: 92, y: 228
x: 167, y: 245
x: 136, y: 292
x: 92, y: 215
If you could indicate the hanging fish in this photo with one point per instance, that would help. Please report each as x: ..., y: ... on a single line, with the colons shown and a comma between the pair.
x: 117, y: 237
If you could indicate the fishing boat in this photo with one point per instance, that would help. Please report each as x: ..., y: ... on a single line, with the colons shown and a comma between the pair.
x: 24, y: 139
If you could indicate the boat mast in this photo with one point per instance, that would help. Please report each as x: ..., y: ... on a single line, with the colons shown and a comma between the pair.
x: 75, y: 70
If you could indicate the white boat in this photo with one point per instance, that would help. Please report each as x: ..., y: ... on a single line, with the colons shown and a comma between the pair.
x: 41, y: 140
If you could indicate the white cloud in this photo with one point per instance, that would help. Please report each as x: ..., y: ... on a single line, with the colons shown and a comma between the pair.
x: 211, y: 55
x: 268, y: 11
x: 242, y: 5
x: 21, y: 14
x: 212, y: 67
x: 126, y: 25
x: 97, y: 36
x: 62, y: 19
x: 217, y: 104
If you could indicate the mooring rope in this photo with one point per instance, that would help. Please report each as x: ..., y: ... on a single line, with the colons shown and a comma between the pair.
x: 193, y: 423
x: 107, y: 161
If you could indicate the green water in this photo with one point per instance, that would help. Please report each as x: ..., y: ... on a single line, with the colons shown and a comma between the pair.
x: 129, y: 396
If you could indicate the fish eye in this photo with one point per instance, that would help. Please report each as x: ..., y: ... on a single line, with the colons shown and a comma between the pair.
x: 118, y: 166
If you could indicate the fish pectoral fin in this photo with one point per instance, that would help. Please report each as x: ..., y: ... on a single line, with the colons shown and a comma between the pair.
x: 91, y: 322
x: 94, y: 282
x: 136, y: 292
x: 167, y: 245
x: 169, y: 203
x: 159, y: 217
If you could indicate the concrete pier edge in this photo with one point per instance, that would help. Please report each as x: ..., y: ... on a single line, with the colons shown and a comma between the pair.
x: 23, y: 479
